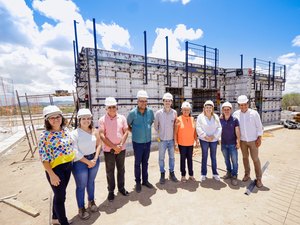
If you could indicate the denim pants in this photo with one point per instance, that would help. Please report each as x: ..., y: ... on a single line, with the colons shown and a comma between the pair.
x: 186, y: 154
x: 213, y: 156
x: 63, y: 171
x: 163, y: 146
x: 85, y: 180
x: 231, y: 158
x: 141, y: 156
x: 111, y: 161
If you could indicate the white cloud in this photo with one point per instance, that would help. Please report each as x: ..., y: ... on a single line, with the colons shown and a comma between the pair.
x: 296, y: 41
x: 184, y: 2
x: 39, y: 59
x: 58, y: 10
x: 176, y: 41
x: 112, y: 35
x: 292, y: 62
x: 287, y: 59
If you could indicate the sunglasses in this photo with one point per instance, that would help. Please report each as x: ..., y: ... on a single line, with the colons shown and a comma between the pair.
x: 111, y: 107
x: 54, y: 118
x: 86, y: 118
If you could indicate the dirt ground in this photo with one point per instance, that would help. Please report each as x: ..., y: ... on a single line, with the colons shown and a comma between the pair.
x: 209, y: 202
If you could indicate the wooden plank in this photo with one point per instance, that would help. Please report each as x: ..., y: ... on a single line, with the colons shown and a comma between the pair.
x: 6, y: 197
x: 23, y: 207
x: 252, y: 185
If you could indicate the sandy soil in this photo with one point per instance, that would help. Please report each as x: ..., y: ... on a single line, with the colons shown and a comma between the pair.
x: 209, y: 202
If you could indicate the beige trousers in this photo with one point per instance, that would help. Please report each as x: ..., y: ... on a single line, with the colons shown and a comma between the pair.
x: 247, y: 147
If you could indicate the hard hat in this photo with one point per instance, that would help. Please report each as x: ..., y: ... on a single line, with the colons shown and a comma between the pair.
x: 242, y: 99
x: 186, y: 105
x: 209, y: 102
x: 51, y: 110
x: 84, y: 112
x: 227, y: 104
x: 142, y: 94
x: 110, y: 101
x: 168, y: 96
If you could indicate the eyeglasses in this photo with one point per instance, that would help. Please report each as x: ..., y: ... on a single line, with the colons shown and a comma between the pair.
x: 143, y: 101
x: 54, y: 118
x: 112, y: 107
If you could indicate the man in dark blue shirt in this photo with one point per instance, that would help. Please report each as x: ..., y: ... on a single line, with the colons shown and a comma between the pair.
x: 230, y: 140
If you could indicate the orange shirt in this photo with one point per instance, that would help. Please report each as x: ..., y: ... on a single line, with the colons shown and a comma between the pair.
x: 185, y: 130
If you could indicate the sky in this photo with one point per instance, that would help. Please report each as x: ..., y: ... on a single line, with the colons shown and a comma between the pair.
x: 36, y: 36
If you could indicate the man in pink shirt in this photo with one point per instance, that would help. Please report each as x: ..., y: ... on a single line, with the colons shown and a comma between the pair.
x: 113, y: 130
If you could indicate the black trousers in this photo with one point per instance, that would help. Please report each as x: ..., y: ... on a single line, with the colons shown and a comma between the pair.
x: 111, y: 161
x: 186, y: 154
x: 63, y: 171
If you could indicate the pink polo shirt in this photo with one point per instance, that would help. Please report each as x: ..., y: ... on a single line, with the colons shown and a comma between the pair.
x: 113, y: 129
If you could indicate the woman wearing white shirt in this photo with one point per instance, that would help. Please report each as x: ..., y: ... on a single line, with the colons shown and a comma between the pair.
x: 209, y: 131
x: 87, y: 147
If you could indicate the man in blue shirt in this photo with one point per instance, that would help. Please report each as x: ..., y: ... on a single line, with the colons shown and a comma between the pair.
x: 139, y: 122
x: 230, y: 140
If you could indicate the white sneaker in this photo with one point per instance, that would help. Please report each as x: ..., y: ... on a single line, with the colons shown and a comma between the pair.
x: 203, y: 178
x: 216, y: 177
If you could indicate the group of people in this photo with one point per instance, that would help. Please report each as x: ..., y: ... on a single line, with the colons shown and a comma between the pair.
x: 63, y: 152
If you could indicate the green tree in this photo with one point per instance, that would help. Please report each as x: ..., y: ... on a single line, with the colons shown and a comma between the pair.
x: 291, y: 99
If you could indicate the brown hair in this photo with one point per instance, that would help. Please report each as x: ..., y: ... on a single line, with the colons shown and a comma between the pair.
x: 48, y: 126
x: 90, y: 126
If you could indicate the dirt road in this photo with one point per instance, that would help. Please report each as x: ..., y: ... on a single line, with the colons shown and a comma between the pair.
x: 209, y: 202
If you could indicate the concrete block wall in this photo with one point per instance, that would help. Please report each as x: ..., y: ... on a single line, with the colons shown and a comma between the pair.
x: 121, y: 76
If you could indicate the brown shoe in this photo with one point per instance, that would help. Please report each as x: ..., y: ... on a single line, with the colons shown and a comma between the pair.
x: 246, y: 178
x: 234, y: 181
x: 258, y: 183
x: 83, y: 214
x: 92, y: 206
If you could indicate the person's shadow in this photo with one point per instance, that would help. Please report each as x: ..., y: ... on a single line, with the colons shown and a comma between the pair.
x: 172, y: 187
x: 93, y: 217
x: 111, y: 207
x: 144, y: 197
x: 212, y: 184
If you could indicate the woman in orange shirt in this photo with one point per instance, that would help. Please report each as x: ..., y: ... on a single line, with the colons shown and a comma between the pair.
x: 185, y: 136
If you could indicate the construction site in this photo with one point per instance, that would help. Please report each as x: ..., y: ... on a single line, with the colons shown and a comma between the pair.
x: 101, y: 73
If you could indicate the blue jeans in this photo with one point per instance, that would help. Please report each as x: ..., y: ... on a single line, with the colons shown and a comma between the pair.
x: 85, y: 179
x: 213, y: 156
x: 141, y: 156
x: 163, y: 146
x: 63, y: 171
x: 231, y: 158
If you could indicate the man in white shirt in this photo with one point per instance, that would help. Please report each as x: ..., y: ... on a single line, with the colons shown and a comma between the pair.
x: 251, y: 131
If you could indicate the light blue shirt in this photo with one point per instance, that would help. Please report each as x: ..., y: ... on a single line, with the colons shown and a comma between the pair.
x: 140, y: 124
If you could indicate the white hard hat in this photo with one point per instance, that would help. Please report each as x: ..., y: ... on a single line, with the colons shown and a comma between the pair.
x: 51, y: 110
x: 186, y: 105
x: 168, y: 96
x: 209, y: 102
x: 110, y: 101
x: 227, y: 104
x: 84, y: 112
x: 142, y: 94
x: 242, y: 99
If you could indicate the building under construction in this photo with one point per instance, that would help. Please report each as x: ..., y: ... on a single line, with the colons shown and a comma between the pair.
x: 101, y: 73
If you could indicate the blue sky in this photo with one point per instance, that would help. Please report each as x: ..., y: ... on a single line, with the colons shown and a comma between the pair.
x: 36, y: 36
